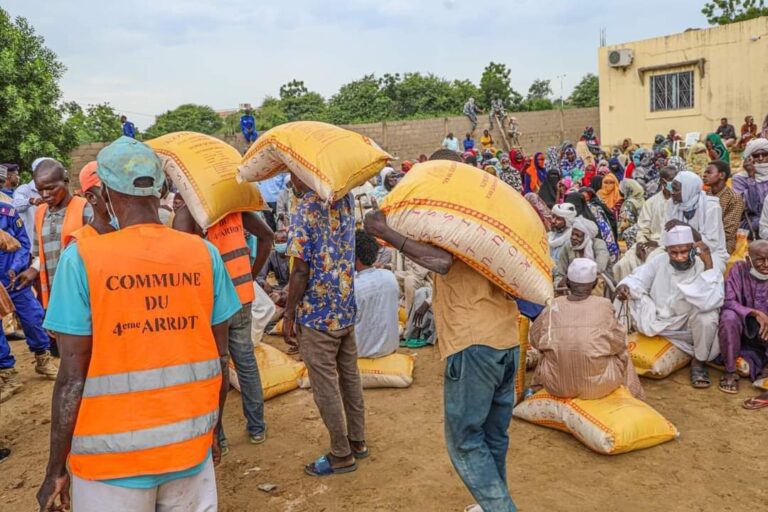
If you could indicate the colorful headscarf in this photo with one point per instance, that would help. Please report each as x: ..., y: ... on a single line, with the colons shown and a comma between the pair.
x: 578, y: 176
x: 634, y: 193
x: 552, y: 160
x: 616, y: 168
x: 541, y: 209
x: 718, y: 148
x: 406, y: 166
x: 516, y: 159
x: 609, y: 192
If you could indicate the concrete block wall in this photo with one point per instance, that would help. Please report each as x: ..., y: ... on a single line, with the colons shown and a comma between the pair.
x: 406, y: 140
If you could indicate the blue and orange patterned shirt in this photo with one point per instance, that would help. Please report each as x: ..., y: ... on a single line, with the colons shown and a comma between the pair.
x: 323, y: 235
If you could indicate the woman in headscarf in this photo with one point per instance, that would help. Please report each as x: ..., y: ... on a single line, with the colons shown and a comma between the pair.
x: 675, y: 161
x: 552, y: 160
x: 589, y: 172
x: 716, y: 148
x: 583, y: 152
x: 609, y: 194
x: 698, y: 159
x: 391, y: 179
x: 517, y: 159
x: 634, y: 199
x: 509, y: 175
x: 577, y: 176
x: 570, y: 162
x: 589, y: 206
x: 406, y: 166
x: 603, y: 167
x: 645, y: 172
x: 614, y: 165
x: 548, y: 191
x: 764, y: 131
x: 540, y: 166
x: 752, y: 185
x: 541, y: 209
x: 748, y: 132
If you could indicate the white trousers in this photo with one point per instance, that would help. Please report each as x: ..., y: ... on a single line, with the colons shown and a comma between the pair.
x: 262, y: 310
x: 195, y: 493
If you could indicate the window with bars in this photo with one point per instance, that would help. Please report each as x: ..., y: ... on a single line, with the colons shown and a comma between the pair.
x: 672, y: 91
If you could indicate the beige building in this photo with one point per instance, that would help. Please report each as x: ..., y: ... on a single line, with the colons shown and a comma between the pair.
x: 685, y: 81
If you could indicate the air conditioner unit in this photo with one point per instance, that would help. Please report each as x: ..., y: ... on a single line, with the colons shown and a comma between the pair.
x: 620, y: 58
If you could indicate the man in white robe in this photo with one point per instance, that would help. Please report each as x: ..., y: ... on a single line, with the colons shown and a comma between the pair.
x: 678, y: 294
x: 691, y: 206
x: 650, y: 224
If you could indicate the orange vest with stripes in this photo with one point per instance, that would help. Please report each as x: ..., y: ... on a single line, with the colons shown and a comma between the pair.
x: 228, y: 236
x: 73, y: 220
x: 151, y: 396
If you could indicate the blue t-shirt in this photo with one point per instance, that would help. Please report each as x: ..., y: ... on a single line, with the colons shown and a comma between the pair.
x: 271, y: 188
x: 469, y: 144
x: 69, y: 312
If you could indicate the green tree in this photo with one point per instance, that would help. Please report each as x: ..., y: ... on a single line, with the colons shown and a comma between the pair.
x: 461, y: 91
x: 269, y: 114
x: 297, y: 103
x: 539, y: 90
x: 586, y: 93
x: 495, y: 83
x: 32, y: 120
x: 360, y: 101
x: 196, y: 118
x: 723, y: 12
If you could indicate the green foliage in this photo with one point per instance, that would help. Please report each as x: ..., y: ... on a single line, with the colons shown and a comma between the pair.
x: 536, y: 104
x: 586, y: 93
x: 99, y: 123
x: 196, y: 118
x: 539, y: 90
x: 723, y: 12
x: 32, y: 121
x: 270, y: 114
x: 495, y: 83
x: 360, y: 101
x: 297, y: 103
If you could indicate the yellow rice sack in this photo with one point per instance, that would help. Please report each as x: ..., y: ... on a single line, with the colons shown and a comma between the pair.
x: 655, y: 357
x: 761, y: 384
x: 392, y: 371
x: 203, y: 168
x: 740, y: 251
x: 328, y: 159
x: 279, y: 373
x: 617, y: 423
x: 277, y: 329
x: 479, y: 219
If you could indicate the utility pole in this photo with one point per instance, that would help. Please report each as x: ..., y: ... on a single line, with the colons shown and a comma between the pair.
x: 562, y: 114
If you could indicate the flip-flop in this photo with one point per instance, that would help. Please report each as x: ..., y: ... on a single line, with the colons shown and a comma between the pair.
x: 322, y: 467
x: 753, y: 404
x: 700, y: 378
x: 730, y: 391
x: 360, y: 455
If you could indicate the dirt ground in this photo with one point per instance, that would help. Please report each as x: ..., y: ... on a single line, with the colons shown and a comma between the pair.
x: 718, y: 464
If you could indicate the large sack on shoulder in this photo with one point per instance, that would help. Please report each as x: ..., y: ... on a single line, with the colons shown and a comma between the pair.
x: 278, y: 371
x: 392, y: 371
x: 617, y: 423
x: 655, y: 357
x: 203, y: 168
x: 330, y: 160
x: 479, y: 219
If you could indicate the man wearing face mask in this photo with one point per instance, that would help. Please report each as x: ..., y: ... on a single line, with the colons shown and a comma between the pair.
x: 752, y: 185
x: 102, y: 222
x: 277, y: 264
x: 743, y: 328
x: 56, y: 218
x: 677, y: 294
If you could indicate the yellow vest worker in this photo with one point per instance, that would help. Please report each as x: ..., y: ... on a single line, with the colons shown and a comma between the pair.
x: 141, y: 315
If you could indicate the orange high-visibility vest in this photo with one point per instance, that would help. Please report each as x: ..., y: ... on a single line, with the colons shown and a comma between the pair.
x: 151, y: 396
x: 86, y: 231
x: 228, y: 235
x: 73, y: 220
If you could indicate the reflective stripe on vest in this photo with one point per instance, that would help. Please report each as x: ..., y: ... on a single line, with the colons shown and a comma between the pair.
x: 145, y: 380
x: 151, y: 395
x: 73, y: 220
x: 146, y: 438
x: 228, y: 236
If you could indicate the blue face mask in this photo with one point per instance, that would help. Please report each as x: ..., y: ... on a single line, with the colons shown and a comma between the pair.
x: 281, y: 248
x: 112, y: 217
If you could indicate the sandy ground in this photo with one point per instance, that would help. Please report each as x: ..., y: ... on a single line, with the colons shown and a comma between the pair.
x: 718, y: 464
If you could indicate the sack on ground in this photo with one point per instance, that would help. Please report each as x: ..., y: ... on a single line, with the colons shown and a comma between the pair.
x: 479, y: 219
x: 655, y: 357
x: 392, y: 371
x: 761, y: 384
x: 617, y: 423
x: 203, y: 169
x: 279, y: 372
x: 328, y: 159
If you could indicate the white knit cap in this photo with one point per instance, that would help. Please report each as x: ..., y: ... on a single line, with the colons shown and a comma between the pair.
x: 678, y: 235
x: 582, y: 271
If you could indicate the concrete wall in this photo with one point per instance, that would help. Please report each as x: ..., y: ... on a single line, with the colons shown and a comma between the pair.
x: 734, y: 82
x: 406, y: 140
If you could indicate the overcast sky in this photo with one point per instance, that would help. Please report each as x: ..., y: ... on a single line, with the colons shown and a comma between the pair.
x: 148, y: 56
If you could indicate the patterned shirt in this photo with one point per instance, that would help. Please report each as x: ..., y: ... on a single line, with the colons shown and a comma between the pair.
x: 53, y: 223
x: 733, y: 210
x: 323, y: 235
x: 512, y: 178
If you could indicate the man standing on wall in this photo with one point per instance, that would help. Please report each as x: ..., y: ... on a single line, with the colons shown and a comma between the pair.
x: 129, y: 130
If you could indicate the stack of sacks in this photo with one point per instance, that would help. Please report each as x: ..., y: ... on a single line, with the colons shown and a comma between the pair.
x: 328, y: 159
x: 204, y: 169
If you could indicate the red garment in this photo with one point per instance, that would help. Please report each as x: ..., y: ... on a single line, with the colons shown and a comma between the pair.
x: 589, y: 172
x: 629, y: 169
x: 516, y: 159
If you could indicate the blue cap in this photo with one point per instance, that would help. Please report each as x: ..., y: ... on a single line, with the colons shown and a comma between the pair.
x: 127, y: 160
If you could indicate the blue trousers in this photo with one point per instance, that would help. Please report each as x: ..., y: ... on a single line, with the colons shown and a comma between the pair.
x: 250, y: 136
x: 30, y: 312
x: 479, y: 395
x: 241, y: 352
